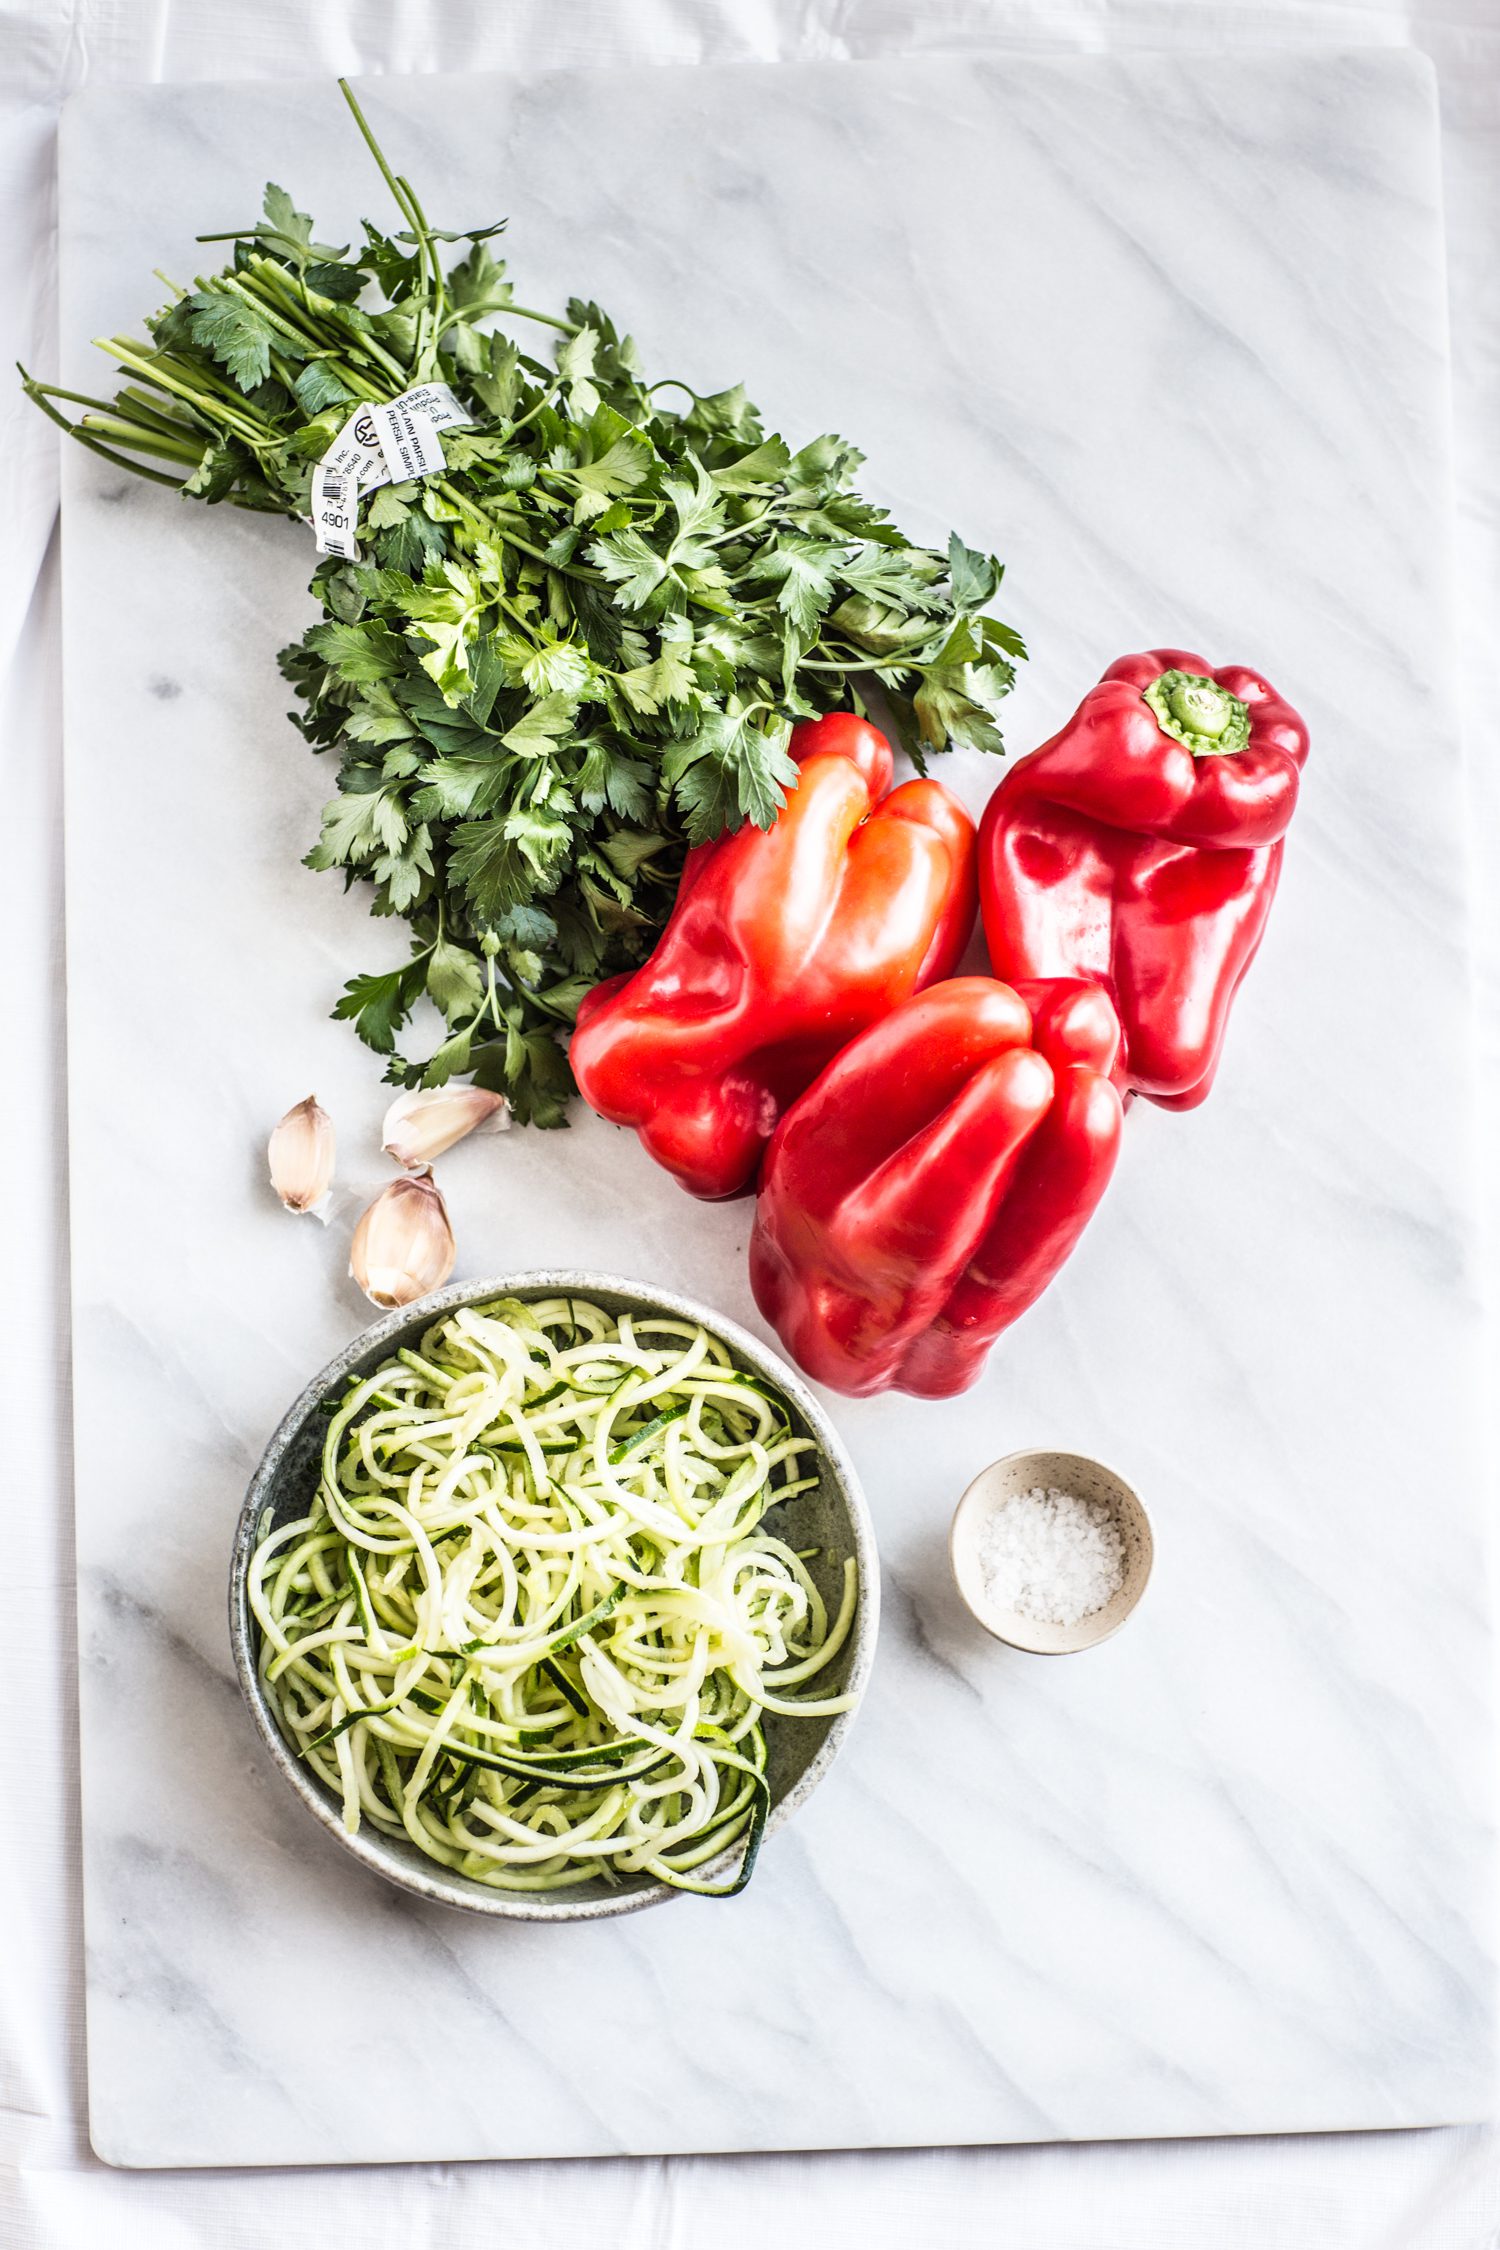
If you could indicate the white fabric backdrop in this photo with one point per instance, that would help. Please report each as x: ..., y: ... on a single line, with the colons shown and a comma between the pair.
x: 1418, y: 2191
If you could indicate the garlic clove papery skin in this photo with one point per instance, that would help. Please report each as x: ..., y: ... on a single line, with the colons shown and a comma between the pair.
x: 403, y: 1245
x: 301, y: 1153
x: 422, y: 1125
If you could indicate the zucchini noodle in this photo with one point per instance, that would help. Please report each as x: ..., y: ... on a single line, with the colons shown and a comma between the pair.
x: 533, y: 1619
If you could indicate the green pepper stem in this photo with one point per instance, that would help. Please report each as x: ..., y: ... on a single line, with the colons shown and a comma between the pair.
x: 1197, y: 712
x: 1201, y: 710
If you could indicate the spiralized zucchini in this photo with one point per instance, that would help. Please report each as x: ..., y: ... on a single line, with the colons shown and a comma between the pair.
x: 534, y: 1620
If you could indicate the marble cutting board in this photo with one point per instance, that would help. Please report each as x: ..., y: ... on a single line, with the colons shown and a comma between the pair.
x: 1169, y: 334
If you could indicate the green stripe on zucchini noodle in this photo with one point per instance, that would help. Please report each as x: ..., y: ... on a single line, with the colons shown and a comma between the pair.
x: 534, y: 1620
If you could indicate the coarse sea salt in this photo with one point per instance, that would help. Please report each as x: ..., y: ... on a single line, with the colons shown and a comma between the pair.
x: 1051, y: 1556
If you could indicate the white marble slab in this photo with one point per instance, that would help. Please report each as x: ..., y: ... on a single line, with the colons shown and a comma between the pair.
x: 1171, y: 335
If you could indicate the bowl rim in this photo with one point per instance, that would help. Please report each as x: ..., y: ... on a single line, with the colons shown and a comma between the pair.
x: 968, y: 1503
x: 369, y: 1846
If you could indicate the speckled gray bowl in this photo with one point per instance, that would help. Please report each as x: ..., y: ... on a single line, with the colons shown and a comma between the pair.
x: 833, y: 1517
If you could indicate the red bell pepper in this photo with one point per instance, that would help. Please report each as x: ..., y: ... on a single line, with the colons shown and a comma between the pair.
x: 922, y: 1194
x: 782, y: 944
x: 1141, y: 848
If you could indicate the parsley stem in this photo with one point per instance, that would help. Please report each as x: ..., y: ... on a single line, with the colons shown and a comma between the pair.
x: 126, y: 355
x: 205, y: 390
x: 209, y: 384
x: 411, y: 211
x: 457, y: 313
x: 548, y: 320
x: 532, y: 412
x: 274, y: 289
x: 39, y: 393
x: 108, y: 453
x: 491, y: 527
x: 171, y: 436
x: 143, y: 440
x: 375, y: 150
x: 142, y: 407
x: 330, y: 339
x: 429, y: 312
x: 232, y: 285
x: 518, y: 618
x: 739, y: 530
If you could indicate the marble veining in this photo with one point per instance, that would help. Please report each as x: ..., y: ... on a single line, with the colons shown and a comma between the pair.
x: 1170, y: 335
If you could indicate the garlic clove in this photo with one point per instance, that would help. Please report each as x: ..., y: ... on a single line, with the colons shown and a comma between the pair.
x: 420, y: 1126
x: 301, y: 1152
x: 403, y: 1245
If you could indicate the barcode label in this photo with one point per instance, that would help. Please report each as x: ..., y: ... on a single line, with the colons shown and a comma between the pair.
x: 333, y: 512
x: 380, y: 445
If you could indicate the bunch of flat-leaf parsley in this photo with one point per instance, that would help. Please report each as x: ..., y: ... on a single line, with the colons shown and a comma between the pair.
x: 575, y: 651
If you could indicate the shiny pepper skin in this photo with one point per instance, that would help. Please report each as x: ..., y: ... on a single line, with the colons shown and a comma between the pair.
x: 783, y: 944
x: 1140, y: 848
x: 926, y: 1189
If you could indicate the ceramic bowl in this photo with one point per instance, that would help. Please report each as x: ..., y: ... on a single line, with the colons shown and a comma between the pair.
x: 1062, y: 1472
x: 833, y: 1517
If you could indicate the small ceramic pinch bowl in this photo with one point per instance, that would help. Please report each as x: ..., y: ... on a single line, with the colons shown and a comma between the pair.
x: 1086, y: 1480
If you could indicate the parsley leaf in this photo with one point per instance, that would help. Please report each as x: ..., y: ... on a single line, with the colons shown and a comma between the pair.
x: 802, y: 570
x: 287, y: 232
x: 575, y: 364
x: 378, y: 1006
x: 631, y: 564
x: 491, y: 868
x: 455, y: 979
x: 542, y: 727
x: 362, y: 654
x: 236, y: 333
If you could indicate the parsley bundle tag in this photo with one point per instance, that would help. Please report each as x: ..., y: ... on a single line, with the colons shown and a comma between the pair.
x: 380, y: 445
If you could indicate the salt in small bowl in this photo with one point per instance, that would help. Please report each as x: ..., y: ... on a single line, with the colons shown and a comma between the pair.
x: 1086, y: 1480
